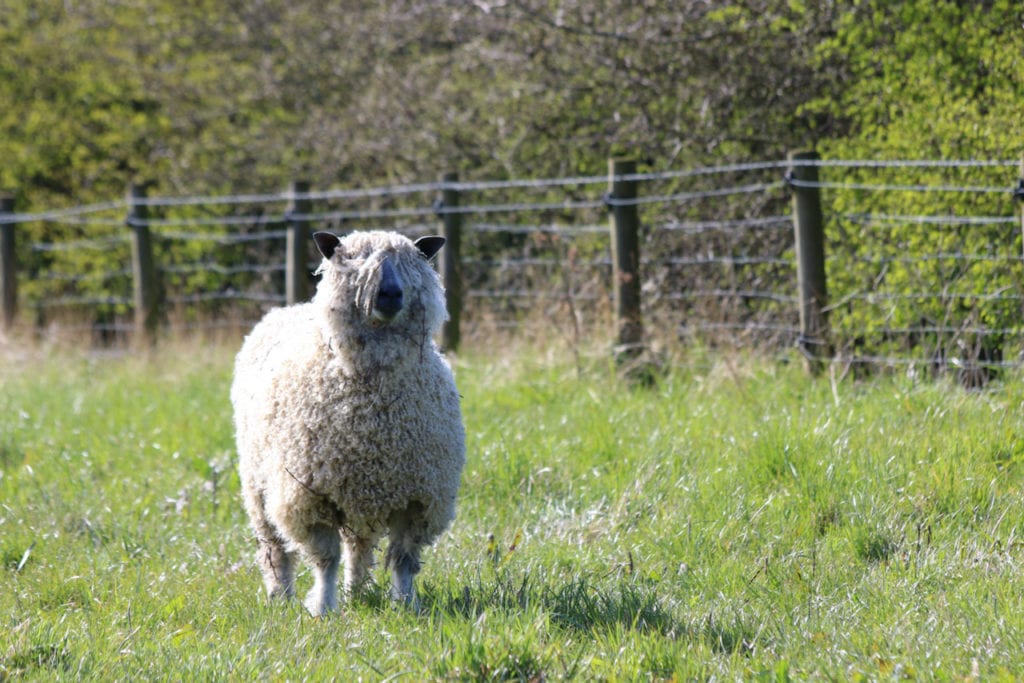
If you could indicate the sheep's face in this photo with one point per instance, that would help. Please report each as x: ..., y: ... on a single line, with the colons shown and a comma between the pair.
x: 378, y: 283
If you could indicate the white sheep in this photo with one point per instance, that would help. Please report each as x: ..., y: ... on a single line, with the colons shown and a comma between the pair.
x: 347, y: 420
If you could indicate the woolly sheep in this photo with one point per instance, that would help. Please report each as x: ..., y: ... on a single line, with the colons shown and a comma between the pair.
x: 347, y: 420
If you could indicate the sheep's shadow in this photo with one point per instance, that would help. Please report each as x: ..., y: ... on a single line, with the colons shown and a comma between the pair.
x: 585, y: 606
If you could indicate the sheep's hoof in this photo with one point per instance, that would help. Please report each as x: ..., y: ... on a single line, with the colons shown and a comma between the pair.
x: 403, y: 603
x: 280, y: 594
x: 406, y: 598
x: 318, y: 607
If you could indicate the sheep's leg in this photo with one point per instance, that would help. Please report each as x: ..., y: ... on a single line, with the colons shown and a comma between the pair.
x: 278, y: 568
x: 403, y: 554
x: 323, y: 549
x: 403, y: 559
x: 276, y: 563
x: 358, y: 560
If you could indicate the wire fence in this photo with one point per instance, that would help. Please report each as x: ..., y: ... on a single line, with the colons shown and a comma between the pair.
x: 923, y: 257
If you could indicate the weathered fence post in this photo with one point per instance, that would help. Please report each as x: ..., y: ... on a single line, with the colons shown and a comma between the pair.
x: 1019, y: 194
x: 809, y: 229
x: 8, y: 275
x: 450, y: 265
x: 146, y: 289
x: 625, y: 227
x: 296, y: 287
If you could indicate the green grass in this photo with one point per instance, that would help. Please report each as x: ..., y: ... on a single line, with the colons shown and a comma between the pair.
x: 736, y: 522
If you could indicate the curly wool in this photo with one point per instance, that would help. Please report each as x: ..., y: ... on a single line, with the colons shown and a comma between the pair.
x: 345, y: 420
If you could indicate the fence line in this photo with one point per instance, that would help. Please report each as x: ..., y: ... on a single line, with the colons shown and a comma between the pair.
x: 467, y: 186
x: 716, y: 259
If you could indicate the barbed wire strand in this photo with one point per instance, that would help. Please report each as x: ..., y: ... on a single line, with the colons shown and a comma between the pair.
x: 868, y: 187
x: 84, y: 300
x: 253, y: 219
x: 905, y: 163
x: 718, y: 261
x: 699, y: 227
x: 967, y: 258
x: 81, y: 244
x: 206, y: 267
x: 513, y: 229
x: 57, y: 214
x: 900, y: 219
x: 731, y: 293
x: 690, y: 196
x: 885, y: 297
x: 206, y: 297
x: 237, y: 238
x: 744, y: 326
x: 935, y: 329
x: 70, y: 278
x: 531, y: 262
x: 527, y: 294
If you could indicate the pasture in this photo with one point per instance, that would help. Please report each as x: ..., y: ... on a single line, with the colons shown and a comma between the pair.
x: 736, y: 521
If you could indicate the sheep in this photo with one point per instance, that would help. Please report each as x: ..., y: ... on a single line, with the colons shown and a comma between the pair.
x: 347, y: 420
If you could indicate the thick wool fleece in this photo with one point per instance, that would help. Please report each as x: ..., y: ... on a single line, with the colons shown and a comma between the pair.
x: 348, y: 421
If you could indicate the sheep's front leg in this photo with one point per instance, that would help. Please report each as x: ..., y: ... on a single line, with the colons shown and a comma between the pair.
x: 323, y: 549
x: 403, y: 554
x: 403, y: 559
x: 277, y: 566
x: 358, y: 560
x: 276, y: 563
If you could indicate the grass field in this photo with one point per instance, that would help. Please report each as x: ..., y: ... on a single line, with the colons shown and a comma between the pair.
x: 740, y: 521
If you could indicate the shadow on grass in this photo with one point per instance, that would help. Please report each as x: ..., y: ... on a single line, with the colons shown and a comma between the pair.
x: 585, y: 607
x: 578, y: 605
x: 35, y: 660
x: 10, y: 455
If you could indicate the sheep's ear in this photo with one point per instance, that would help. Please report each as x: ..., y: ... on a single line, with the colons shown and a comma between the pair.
x: 326, y: 243
x: 429, y: 246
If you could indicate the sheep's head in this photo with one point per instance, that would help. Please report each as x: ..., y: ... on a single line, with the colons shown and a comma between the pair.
x: 380, y: 283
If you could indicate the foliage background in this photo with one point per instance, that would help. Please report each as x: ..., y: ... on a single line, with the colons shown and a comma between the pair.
x: 212, y: 97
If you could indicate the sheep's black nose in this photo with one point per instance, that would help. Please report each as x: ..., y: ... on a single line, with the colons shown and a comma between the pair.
x: 389, y: 294
x: 389, y: 300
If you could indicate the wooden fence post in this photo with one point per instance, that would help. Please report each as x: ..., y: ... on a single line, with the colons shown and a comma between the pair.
x: 296, y: 287
x: 809, y: 229
x: 625, y: 228
x: 146, y: 291
x: 450, y: 264
x: 1019, y: 194
x: 8, y: 275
